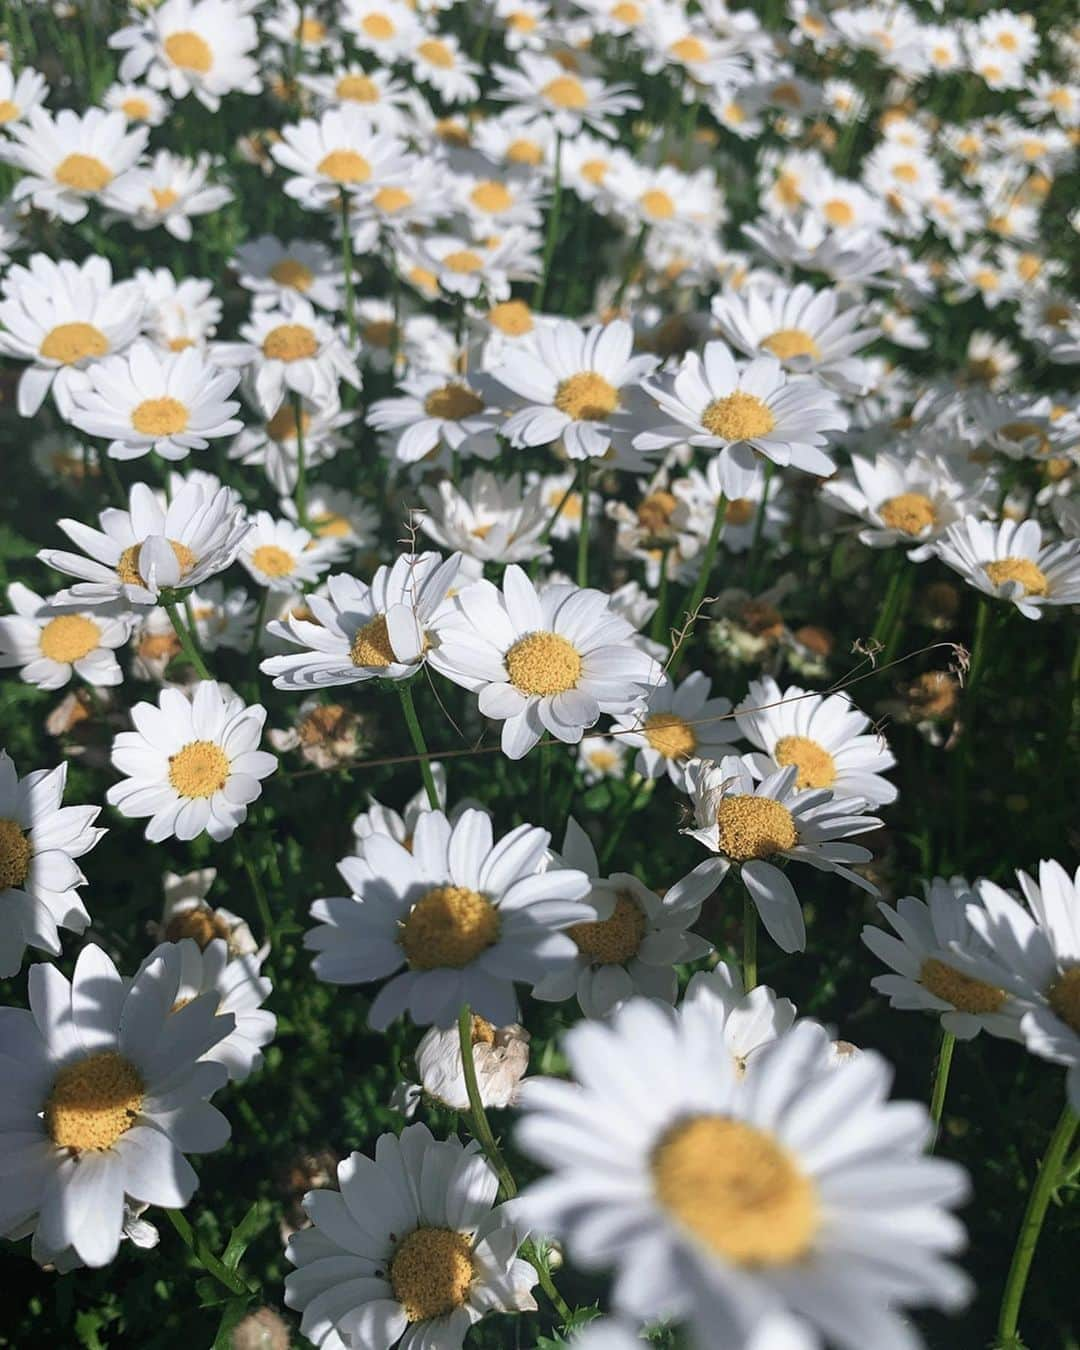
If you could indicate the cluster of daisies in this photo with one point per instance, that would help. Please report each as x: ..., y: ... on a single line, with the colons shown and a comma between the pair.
x: 502, y: 367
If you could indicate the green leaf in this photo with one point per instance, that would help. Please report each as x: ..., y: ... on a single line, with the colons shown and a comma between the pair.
x: 253, y: 1222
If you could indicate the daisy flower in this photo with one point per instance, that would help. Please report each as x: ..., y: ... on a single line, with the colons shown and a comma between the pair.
x: 410, y: 1245
x: 283, y: 555
x: 437, y: 412
x: 146, y: 400
x: 1010, y: 562
x: 723, y: 1200
x: 702, y: 492
x: 168, y: 191
x: 108, y: 1097
x: 439, y: 61
x: 677, y: 723
x: 500, y: 1055
x: 600, y: 757
x: 274, y: 444
x: 388, y: 28
x: 494, y: 204
x: 543, y: 661
x: 337, y: 518
x: 465, y: 915
x: 187, y: 914
x: 640, y: 938
x: 844, y: 256
x: 753, y: 825
x: 928, y: 978
x: 361, y: 632
x: 488, y: 518
x: 138, y: 103
x: 382, y: 95
x: 468, y: 268
x: 49, y: 644
x: 758, y: 410
x: 179, y: 314
x: 343, y: 152
x: 540, y: 86
x: 200, y: 47
x: 823, y: 735
x: 19, y: 93
x: 39, y: 880
x: 222, y: 618
x: 748, y: 1022
x: 578, y: 386
x: 59, y: 317
x: 399, y: 826
x: 192, y: 764
x: 277, y: 273
x: 151, y: 547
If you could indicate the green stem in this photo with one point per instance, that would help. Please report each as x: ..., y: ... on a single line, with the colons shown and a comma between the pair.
x: 749, y: 942
x: 187, y: 642
x: 890, y: 607
x: 481, y: 1127
x: 543, y: 780
x: 979, y: 645
x: 347, y: 264
x: 301, y: 462
x: 106, y: 461
x: 753, y: 566
x: 632, y: 260
x: 700, y: 586
x: 553, y: 226
x: 941, y: 1083
x: 257, y: 890
x: 642, y: 789
x: 553, y: 519
x: 408, y: 707
x: 584, y: 473
x: 212, y: 1264
x: 1048, y: 1178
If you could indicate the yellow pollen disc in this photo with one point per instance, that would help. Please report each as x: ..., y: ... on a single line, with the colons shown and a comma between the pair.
x: 817, y: 768
x: 736, y: 1189
x: 491, y: 196
x: 289, y: 272
x: 1022, y: 570
x: 273, y: 561
x: 1064, y: 997
x: 449, y: 926
x: 612, y: 941
x: 991, y: 72
x: 357, y: 89
x: 127, y: 566
x: 159, y: 647
x: 671, y: 734
x: 1059, y: 98
x: 83, y: 173
x: 200, y: 769
x: 164, y: 198
x: 512, y: 317
x: 1058, y: 315
x: 69, y: 343
x: 15, y: 854
x: 905, y: 173
x: 199, y: 923
x: 69, y: 637
x: 189, y: 51
x: 689, y: 49
x: 1007, y: 42
x: 524, y: 152
x: 282, y: 426
x: 159, y: 417
x: 345, y: 166
x: 290, y: 342
x: 8, y: 111
x: 180, y: 344
x: 378, y: 333
x: 586, y: 397
x: 543, y: 664
x: 371, y: 645
x: 452, y: 403
x: 626, y: 12
x: 838, y: 212
x: 789, y: 94
x: 654, y: 512
x: 311, y: 30
x: 392, y: 199
x: 911, y: 512
x: 330, y: 525
x: 453, y: 133
x: 94, y: 1101
x: 325, y: 724
x: 1029, y: 265
x: 135, y: 109
x: 963, y: 992
x: 566, y: 91
x: 423, y: 279
x: 483, y: 1033
x: 378, y: 26
x: 463, y: 260
x: 436, y: 53
x: 737, y: 417
x: 941, y: 55
x: 657, y: 204
x: 754, y: 827
x: 986, y: 280
x: 594, y: 171
x: 739, y: 511
x: 788, y: 342
x: 431, y: 1272
x: 522, y: 23
x: 787, y: 187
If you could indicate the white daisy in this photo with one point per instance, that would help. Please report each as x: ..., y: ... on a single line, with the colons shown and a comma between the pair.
x: 192, y: 763
x: 179, y: 314
x: 187, y: 914
x: 343, y: 152
x: 278, y: 272
x: 543, y: 661
x: 337, y: 517
x: 168, y: 191
x: 19, y: 93
x: 222, y: 618
x: 491, y: 519
x: 469, y: 268
x: 500, y: 1055
x: 750, y: 824
x: 138, y: 103
x: 49, y: 644
x: 39, y: 842
x: 283, y: 555
x: 678, y: 723
x: 274, y: 444
x: 748, y: 1021
x: 1010, y: 562
x: 439, y: 61
x: 399, y: 826
x: 543, y: 87
x: 600, y: 757
x: 494, y: 204
x: 382, y: 96
x: 108, y: 1097
x: 702, y: 492
x: 389, y: 28
x: 467, y: 916
x: 410, y: 1247
x: 438, y: 412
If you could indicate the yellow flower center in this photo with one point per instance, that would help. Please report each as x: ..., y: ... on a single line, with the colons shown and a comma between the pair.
x: 737, y: 417
x: 522, y: 151
x: 491, y: 196
x: 657, y: 204
x: 94, y: 1101
x: 159, y: 417
x: 1064, y: 997
x: 289, y: 272
x: 357, y: 89
x: 200, y: 769
x: 311, y: 30
x: 15, y: 854
x: 389, y: 200
x: 379, y: 332
x: 189, y: 51
x: 371, y: 645
x: 739, y: 511
x: 838, y: 212
x: 1059, y: 98
x: 986, y: 280
x: 614, y: 940
x: 449, y: 926
x: 463, y: 260
x: 135, y: 109
x: 654, y: 512
x: 70, y: 343
x: 431, y: 1272
x: 626, y: 12
x: 83, y: 173
x: 452, y: 403
x: 905, y: 173
x: 816, y: 766
x: 422, y: 278
x: 594, y: 171
x: 378, y: 26
x: 290, y: 342
x: 586, y: 397
x: 180, y: 344
x: 436, y: 53
x: 689, y: 49
x: 512, y: 317
x: 345, y: 166
x: 331, y: 525
x: 69, y: 637
x: 566, y: 91
x: 788, y: 342
x: 282, y: 426
x: 543, y: 664
x: 1022, y: 570
x: 911, y: 512
x: 671, y: 734
x: 754, y: 827
x: 127, y: 566
x: 737, y: 1190
x: 963, y: 992
x: 199, y: 923
x: 164, y: 198
x: 1007, y: 42
x: 273, y: 561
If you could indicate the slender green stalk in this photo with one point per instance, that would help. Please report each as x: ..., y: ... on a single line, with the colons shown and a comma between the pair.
x: 258, y: 891
x: 941, y: 1083
x: 187, y: 642
x: 700, y: 586
x: 213, y: 1265
x: 543, y: 780
x: 347, y: 264
x: 300, y: 493
x: 552, y: 226
x: 408, y: 707
x: 1048, y: 1179
x: 584, y: 473
x: 257, y: 631
x: 632, y: 260
x: 554, y: 517
x: 892, y: 605
x: 979, y: 646
x: 641, y: 790
x: 753, y: 566
x: 749, y: 941
x: 481, y: 1127
x: 117, y: 488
